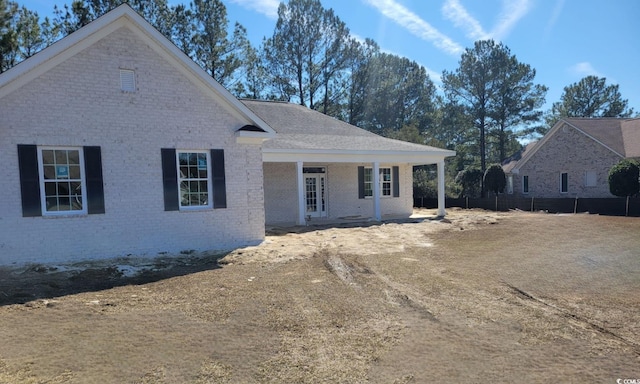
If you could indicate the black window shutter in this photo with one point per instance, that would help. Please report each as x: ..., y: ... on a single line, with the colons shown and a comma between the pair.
x: 395, y: 172
x: 170, y: 179
x: 93, y: 173
x: 218, y: 180
x: 360, y: 182
x: 29, y: 180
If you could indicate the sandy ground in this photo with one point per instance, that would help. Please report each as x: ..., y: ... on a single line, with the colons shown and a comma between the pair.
x: 476, y: 297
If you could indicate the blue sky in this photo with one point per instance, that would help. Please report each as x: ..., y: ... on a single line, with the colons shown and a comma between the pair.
x: 563, y: 40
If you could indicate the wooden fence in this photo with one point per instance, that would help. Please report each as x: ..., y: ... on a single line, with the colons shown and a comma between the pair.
x: 603, y: 206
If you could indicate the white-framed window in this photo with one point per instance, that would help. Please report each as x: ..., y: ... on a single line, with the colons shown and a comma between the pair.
x: 590, y: 179
x: 194, y: 185
x: 564, y: 182
x: 386, y: 182
x: 62, y: 180
x: 525, y: 184
x: 510, y: 184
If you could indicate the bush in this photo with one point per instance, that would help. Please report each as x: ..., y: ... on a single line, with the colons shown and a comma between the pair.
x: 470, y: 180
x: 624, y: 178
x: 495, y: 179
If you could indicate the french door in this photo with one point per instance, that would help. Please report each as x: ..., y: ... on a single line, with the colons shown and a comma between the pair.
x: 315, y: 196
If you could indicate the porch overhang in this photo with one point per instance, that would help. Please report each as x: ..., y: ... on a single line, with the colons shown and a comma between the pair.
x: 354, y: 156
x: 373, y: 157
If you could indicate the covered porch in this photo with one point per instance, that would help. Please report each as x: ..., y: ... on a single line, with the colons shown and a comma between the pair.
x: 343, y: 187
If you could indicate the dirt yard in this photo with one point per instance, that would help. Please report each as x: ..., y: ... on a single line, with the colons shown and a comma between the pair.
x: 476, y: 297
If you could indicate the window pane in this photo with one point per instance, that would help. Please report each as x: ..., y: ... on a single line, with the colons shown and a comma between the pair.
x: 47, y: 157
x: 49, y: 172
x: 74, y: 157
x: 193, y: 179
x: 63, y: 189
x: 52, y: 204
x: 74, y: 172
x: 64, y: 204
x: 61, y: 157
x: 50, y: 189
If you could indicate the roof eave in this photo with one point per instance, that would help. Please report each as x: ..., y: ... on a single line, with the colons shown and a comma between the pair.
x: 355, y: 156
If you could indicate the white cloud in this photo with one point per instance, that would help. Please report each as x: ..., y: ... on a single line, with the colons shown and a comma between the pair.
x: 512, y: 11
x: 454, y: 11
x: 414, y: 24
x: 268, y: 8
x: 584, y: 69
x: 555, y: 15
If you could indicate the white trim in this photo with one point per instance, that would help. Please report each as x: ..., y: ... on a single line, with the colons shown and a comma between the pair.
x: 209, y: 204
x: 346, y: 156
x: 376, y: 191
x: 83, y: 184
x: 301, y: 197
x: 122, y: 16
x: 441, y: 190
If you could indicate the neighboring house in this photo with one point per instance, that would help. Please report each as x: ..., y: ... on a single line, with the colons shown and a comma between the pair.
x: 573, y: 159
x: 113, y: 142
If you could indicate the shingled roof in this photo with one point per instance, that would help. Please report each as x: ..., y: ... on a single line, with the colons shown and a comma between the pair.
x: 620, y: 135
x: 302, y: 129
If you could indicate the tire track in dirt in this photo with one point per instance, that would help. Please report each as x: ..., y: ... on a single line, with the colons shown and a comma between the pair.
x: 530, y: 299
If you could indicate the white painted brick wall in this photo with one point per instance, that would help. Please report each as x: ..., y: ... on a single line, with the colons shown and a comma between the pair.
x: 80, y: 103
x: 281, y: 200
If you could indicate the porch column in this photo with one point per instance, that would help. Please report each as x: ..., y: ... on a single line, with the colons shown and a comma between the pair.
x: 376, y: 191
x: 301, y: 194
x: 441, y: 202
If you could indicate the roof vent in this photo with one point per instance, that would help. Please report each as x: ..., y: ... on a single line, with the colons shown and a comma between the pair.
x: 127, y: 80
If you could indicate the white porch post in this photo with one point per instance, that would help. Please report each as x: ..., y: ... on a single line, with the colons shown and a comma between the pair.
x: 301, y: 194
x: 376, y: 191
x: 441, y: 203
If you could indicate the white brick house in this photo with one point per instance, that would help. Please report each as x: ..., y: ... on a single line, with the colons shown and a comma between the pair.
x: 573, y: 159
x: 113, y: 142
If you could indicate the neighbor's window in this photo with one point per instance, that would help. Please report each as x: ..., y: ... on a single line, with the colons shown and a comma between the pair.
x: 525, y: 184
x: 386, y: 182
x: 510, y: 184
x: 193, y: 179
x: 61, y: 180
x: 590, y: 179
x: 564, y: 182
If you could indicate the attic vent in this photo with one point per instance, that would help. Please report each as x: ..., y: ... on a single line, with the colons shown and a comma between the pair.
x: 127, y: 80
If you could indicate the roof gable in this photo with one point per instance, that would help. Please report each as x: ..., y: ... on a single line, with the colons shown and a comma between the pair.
x: 125, y: 16
x: 620, y: 136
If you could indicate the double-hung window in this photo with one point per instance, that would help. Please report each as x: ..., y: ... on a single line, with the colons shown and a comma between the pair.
x: 62, y: 180
x: 194, y: 172
x: 57, y: 181
x: 193, y: 179
x: 386, y: 182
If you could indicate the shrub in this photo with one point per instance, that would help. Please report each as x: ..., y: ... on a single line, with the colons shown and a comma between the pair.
x: 470, y: 180
x: 624, y: 178
x: 495, y: 179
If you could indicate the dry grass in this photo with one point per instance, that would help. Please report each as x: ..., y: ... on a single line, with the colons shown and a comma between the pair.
x: 479, y: 297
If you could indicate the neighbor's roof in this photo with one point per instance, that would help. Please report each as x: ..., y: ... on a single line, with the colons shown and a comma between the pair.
x: 510, y: 163
x: 301, y: 131
x: 619, y: 135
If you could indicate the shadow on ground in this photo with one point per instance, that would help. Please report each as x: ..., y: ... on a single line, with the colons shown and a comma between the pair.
x: 38, y: 281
